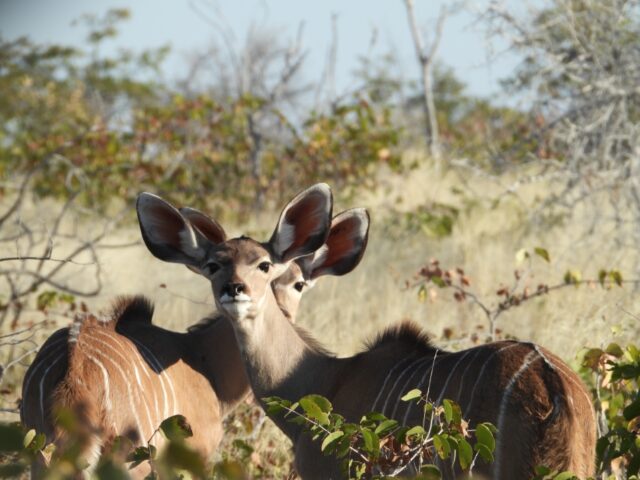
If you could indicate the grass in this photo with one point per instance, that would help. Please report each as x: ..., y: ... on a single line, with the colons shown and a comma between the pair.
x: 343, y: 312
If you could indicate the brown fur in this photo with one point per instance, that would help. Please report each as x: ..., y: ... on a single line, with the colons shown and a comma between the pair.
x: 78, y: 384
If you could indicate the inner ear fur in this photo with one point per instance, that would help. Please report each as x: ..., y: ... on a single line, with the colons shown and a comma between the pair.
x: 211, y: 229
x: 304, y: 223
x: 344, y: 247
x: 166, y: 233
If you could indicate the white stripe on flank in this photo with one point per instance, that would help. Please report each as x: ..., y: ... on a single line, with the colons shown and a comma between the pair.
x: 140, y: 391
x: 530, y: 358
x: 419, y: 385
x: 407, y: 387
x: 386, y: 380
x: 128, y: 385
x: 41, y: 387
x: 41, y: 361
x: 568, y: 374
x: 105, y: 378
x: 391, y: 395
x: 446, y: 383
x: 484, y: 366
x: 153, y: 381
x: 464, y: 373
x: 163, y: 374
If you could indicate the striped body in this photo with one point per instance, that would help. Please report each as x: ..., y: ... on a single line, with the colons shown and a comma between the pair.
x: 125, y: 377
x: 543, y: 412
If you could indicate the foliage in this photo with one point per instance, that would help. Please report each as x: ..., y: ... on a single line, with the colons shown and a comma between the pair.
x: 379, y: 447
x: 508, y: 295
x: 614, y: 376
x: 101, y: 127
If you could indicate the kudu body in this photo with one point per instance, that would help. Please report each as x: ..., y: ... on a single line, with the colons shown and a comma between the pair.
x: 124, y: 375
x: 542, y: 410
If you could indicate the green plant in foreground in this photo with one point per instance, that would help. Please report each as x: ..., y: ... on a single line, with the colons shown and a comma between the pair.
x: 614, y: 376
x: 378, y: 447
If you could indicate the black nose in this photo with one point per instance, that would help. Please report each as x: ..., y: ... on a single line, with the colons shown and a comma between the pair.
x: 234, y: 289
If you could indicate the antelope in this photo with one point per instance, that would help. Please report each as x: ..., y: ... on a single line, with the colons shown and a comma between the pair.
x: 542, y: 410
x: 125, y: 375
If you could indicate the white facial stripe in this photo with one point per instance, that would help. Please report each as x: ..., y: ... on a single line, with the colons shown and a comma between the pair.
x: 530, y: 358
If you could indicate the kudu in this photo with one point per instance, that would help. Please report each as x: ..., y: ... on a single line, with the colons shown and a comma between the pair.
x: 542, y: 411
x: 125, y: 375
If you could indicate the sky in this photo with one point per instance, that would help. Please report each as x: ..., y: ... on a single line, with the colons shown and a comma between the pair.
x: 180, y: 23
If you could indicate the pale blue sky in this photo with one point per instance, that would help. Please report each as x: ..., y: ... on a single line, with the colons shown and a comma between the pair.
x: 157, y: 22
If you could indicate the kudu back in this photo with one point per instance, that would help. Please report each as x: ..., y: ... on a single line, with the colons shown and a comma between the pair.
x: 543, y: 412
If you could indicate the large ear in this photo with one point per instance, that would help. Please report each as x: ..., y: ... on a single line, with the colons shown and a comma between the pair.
x: 304, y: 223
x: 207, y: 226
x: 343, y: 248
x: 166, y: 233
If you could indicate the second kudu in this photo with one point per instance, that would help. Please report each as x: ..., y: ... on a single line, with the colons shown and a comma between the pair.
x: 125, y: 375
x: 542, y: 411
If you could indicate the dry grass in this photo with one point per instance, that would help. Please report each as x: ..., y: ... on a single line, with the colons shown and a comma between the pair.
x: 342, y: 312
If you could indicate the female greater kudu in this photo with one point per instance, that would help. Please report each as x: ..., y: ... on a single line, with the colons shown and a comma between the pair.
x: 542, y: 410
x: 125, y: 375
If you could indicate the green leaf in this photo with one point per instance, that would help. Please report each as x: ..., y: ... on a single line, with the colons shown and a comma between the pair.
x: 331, y: 439
x: 371, y: 442
x: 616, y: 276
x: 386, y: 426
x: 442, y: 445
x: 541, y: 252
x: 484, y: 437
x: 313, y: 410
x: 179, y: 455
x: 615, y: 350
x: 465, y: 453
x: 28, y: 438
x: 176, y: 428
x: 415, y: 431
x: 438, y: 281
x: 485, y: 453
x: 448, y: 410
x: 430, y: 472
x: 411, y: 395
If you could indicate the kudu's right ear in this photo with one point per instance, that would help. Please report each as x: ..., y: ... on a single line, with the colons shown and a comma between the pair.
x: 207, y: 226
x: 343, y: 248
x: 304, y: 224
x: 167, y: 234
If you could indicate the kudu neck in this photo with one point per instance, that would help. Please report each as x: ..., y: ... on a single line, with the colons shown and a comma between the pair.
x: 279, y: 359
x: 222, y: 363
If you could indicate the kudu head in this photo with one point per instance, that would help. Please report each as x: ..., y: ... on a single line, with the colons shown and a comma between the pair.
x: 340, y: 253
x: 241, y: 269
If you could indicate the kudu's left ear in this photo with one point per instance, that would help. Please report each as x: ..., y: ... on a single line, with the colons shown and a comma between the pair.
x: 343, y: 248
x: 304, y: 223
x: 167, y: 234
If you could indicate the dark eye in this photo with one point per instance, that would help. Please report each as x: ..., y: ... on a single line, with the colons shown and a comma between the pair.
x: 264, y: 266
x: 298, y: 286
x: 211, y: 268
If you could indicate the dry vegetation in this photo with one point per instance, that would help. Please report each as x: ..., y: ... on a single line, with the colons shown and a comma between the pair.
x: 342, y: 312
